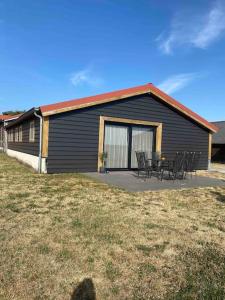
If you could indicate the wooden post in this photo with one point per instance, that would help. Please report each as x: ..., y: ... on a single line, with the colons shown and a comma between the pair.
x: 100, y: 140
x: 45, y: 135
x: 159, y: 138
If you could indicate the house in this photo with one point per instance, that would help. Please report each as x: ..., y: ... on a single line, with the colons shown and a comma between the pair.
x: 71, y: 136
x: 218, y: 143
x: 5, y: 119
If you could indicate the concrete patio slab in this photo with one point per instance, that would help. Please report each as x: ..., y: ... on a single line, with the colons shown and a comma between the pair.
x: 129, y: 181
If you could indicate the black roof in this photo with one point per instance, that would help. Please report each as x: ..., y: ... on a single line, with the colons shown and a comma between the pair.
x: 24, y: 116
x: 219, y: 137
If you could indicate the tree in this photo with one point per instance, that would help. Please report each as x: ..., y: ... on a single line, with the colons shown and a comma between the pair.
x: 13, y: 112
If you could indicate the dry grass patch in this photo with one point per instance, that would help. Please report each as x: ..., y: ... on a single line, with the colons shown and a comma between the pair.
x: 56, y: 230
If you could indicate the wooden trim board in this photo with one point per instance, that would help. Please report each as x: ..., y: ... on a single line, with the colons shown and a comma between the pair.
x: 159, y: 138
x: 104, y: 119
x: 45, y: 135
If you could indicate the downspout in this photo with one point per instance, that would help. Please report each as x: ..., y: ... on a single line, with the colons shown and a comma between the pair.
x: 40, y: 141
x: 210, y: 151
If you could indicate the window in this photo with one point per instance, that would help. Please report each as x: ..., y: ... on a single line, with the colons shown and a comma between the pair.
x: 10, y: 135
x: 20, y: 133
x: 16, y: 134
x: 32, y: 132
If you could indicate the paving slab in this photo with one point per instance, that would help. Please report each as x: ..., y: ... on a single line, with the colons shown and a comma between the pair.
x: 130, y: 181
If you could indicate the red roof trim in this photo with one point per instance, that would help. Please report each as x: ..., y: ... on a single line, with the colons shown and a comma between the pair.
x: 9, y: 117
x: 96, y: 98
x: 183, y: 108
x: 116, y: 95
x: 6, y: 117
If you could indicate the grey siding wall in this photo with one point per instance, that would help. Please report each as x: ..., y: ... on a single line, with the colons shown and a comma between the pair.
x: 26, y: 146
x: 73, y: 136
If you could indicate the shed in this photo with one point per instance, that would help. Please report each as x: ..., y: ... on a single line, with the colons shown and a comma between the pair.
x: 218, y: 142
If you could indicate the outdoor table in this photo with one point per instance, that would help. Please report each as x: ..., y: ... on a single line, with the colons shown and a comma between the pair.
x: 159, y: 165
x: 160, y: 162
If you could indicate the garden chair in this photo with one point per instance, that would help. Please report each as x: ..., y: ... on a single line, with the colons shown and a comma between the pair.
x: 143, y: 164
x: 175, y: 168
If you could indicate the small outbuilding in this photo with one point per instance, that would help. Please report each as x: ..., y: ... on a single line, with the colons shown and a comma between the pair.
x: 218, y: 143
x: 72, y: 136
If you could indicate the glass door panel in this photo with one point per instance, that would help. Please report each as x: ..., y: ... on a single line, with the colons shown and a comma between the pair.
x: 116, y: 146
x: 142, y: 140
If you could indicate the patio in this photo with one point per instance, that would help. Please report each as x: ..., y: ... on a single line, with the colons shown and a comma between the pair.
x: 130, y: 181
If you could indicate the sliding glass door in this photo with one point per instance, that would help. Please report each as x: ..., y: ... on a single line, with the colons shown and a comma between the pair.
x: 116, y: 146
x: 142, y: 140
x: 121, y: 142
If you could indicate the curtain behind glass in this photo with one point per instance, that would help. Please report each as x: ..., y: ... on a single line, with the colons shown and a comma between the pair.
x: 142, y: 140
x: 116, y: 146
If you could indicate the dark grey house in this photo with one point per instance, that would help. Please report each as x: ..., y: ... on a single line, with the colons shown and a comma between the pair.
x: 71, y: 136
x: 218, y: 143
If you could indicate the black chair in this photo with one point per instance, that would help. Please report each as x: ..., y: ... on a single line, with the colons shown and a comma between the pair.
x: 156, y: 163
x: 143, y: 164
x: 175, y: 168
x: 192, y: 162
x: 196, y: 162
x: 188, y: 164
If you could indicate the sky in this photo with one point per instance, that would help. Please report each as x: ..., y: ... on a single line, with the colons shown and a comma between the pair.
x: 56, y: 50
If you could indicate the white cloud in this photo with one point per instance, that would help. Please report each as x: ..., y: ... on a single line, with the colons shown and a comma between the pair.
x: 194, y: 30
x: 86, y: 76
x: 177, y: 82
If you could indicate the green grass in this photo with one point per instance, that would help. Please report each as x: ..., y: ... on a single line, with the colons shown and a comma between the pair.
x: 112, y: 271
x: 204, y: 275
x: 44, y: 249
x: 64, y: 255
x: 76, y: 223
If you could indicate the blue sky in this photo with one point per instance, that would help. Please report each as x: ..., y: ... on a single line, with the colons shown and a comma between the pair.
x: 55, y: 50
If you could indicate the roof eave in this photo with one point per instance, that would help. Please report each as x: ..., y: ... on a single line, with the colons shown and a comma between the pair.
x: 24, y: 116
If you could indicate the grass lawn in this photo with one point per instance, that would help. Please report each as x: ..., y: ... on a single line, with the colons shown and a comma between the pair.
x: 56, y: 230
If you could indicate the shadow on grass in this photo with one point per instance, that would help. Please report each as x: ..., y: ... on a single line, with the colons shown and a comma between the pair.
x: 219, y: 196
x: 84, y: 291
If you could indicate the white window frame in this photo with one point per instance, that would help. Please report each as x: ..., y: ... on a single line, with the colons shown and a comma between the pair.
x: 32, y: 132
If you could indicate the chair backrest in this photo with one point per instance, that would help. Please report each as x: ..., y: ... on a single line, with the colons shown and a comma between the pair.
x: 155, y: 159
x: 179, y: 161
x: 196, y: 161
x: 192, y: 161
x: 189, y: 159
x: 141, y: 159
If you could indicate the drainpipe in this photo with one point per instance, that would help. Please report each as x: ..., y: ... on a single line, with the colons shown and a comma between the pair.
x: 40, y: 140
